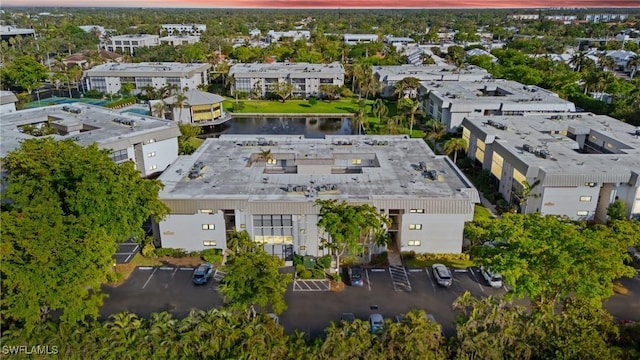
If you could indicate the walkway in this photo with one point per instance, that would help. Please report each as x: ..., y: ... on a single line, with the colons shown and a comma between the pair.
x: 488, y: 205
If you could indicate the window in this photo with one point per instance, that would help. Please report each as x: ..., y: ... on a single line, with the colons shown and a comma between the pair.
x: 208, y: 227
x: 151, y: 154
x: 585, y: 198
x: 415, y: 226
x: 153, y: 167
x: 206, y: 211
x: 356, y: 161
x: 414, y: 242
x: 209, y: 243
x: 417, y: 211
x: 590, y: 184
x: 119, y: 155
x: 271, y: 161
x: 583, y: 212
x: 273, y: 229
x: 152, y: 140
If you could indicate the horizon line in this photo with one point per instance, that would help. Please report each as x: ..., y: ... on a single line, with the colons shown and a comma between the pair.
x: 323, y: 8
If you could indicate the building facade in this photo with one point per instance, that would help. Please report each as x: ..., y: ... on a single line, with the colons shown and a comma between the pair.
x: 199, y: 108
x: 574, y: 165
x: 109, y: 78
x: 293, y: 35
x: 355, y: 39
x: 175, y: 40
x: 151, y: 143
x: 229, y: 183
x: 184, y: 29
x: 128, y: 44
x: 450, y: 102
x: 259, y: 79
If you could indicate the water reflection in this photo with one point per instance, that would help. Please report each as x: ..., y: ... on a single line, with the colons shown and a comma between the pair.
x: 311, y: 127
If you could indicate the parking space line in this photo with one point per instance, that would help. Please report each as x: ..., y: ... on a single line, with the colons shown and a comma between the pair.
x: 475, y: 276
x: 415, y: 270
x: 430, y: 279
x: 166, y: 268
x: 174, y: 272
x: 368, y: 281
x: 149, y: 279
x: 145, y: 267
x: 186, y: 268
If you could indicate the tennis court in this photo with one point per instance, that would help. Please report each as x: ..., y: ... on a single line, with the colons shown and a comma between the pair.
x: 60, y: 100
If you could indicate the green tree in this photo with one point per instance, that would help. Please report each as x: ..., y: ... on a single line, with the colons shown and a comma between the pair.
x: 283, y: 90
x: 349, y: 227
x: 64, y: 209
x: 329, y: 91
x: 253, y: 278
x: 617, y: 210
x: 180, y: 100
x: 188, y: 133
x: 454, y: 145
x: 25, y: 72
x: 157, y: 109
x: 407, y: 87
x: 548, y: 258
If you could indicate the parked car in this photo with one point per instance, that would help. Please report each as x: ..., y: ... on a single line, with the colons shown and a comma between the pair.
x: 202, y: 274
x: 493, y: 279
x: 355, y: 276
x: 348, y: 318
x: 398, y: 318
x: 376, y: 323
x: 635, y: 254
x: 442, y: 274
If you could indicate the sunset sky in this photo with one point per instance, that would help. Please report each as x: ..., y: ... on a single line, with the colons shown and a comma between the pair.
x: 376, y: 4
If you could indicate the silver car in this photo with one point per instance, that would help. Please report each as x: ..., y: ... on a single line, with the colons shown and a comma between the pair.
x: 442, y: 275
x: 376, y: 323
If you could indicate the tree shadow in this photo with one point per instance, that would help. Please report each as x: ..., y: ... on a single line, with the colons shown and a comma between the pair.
x: 304, y: 105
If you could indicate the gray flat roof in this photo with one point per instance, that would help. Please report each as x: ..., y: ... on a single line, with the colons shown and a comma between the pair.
x: 96, y: 123
x: 512, y: 95
x: 428, y: 72
x: 364, y: 170
x: 286, y: 68
x: 161, y: 69
x: 547, y: 132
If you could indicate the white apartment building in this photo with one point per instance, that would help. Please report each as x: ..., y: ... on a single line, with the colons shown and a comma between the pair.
x: 151, y: 143
x: 605, y: 17
x: 175, y: 40
x: 306, y: 78
x: 294, y: 35
x: 388, y: 76
x: 184, y: 29
x: 225, y: 184
x: 108, y: 78
x: 451, y: 101
x: 129, y: 43
x: 8, y: 102
x: 576, y: 164
x: 355, y: 39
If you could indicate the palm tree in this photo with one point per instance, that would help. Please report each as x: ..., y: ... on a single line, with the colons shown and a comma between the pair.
x: 577, y: 60
x: 265, y: 155
x: 407, y: 87
x: 231, y: 83
x: 606, y: 63
x: 181, y: 101
x: 634, y: 65
x: 379, y: 109
x: 454, y: 145
x: 527, y: 192
x: 359, y: 119
x: 158, y: 109
x: 413, y: 111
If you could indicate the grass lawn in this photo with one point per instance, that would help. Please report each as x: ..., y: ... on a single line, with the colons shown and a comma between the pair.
x: 454, y: 263
x: 196, y: 142
x: 481, y: 213
x: 125, y: 270
x: 294, y: 106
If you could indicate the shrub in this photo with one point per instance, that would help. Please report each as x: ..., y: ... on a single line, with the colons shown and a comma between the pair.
x: 171, y: 252
x: 305, y: 274
x: 318, y: 273
x: 408, y: 255
x: 313, y: 101
x: 299, y: 268
x: 114, y: 277
x: 380, y: 259
x: 324, y: 261
x: 213, y: 256
x: 149, y: 250
x: 297, y: 259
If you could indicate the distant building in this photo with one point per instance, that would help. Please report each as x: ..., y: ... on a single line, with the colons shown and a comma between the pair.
x: 7, y: 32
x: 100, y: 30
x: 451, y: 101
x: 225, y: 184
x: 151, y: 143
x: 389, y: 75
x: 354, y: 39
x: 523, y: 16
x: 184, y: 29
x: 129, y: 43
x: 597, y: 18
x: 108, y: 78
x: 8, y: 102
x: 293, y: 35
x: 83, y: 58
x: 254, y: 33
x: 259, y: 79
x: 576, y: 165
x: 180, y: 40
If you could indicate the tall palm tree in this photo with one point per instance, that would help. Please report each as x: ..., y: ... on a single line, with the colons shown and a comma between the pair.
x: 527, y: 192
x: 181, y: 101
x: 605, y: 62
x: 634, y: 65
x: 413, y: 111
x: 158, y: 109
x: 379, y: 109
x: 454, y: 145
x: 578, y: 60
x: 407, y: 87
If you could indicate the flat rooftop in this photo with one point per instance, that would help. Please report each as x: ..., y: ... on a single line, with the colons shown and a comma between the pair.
x: 162, y: 69
x: 429, y: 72
x: 617, y: 140
x: 289, y: 68
x: 511, y: 95
x: 341, y: 167
x: 86, y: 124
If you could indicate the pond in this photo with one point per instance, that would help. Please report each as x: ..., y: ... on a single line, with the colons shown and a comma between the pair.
x: 310, y: 127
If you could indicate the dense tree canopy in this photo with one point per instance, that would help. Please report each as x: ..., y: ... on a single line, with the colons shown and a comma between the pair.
x: 64, y: 208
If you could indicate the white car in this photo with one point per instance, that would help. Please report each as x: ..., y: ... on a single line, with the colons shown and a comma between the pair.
x: 442, y: 275
x: 493, y: 279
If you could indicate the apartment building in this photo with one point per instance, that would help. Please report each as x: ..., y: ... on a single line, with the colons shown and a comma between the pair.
x: 184, y: 29
x: 128, y: 44
x: 596, y: 18
x: 355, y: 39
x: 227, y: 184
x: 151, y: 143
x: 108, y: 78
x: 259, y: 79
x: 175, y: 40
x: 7, y: 32
x: 451, y: 101
x: 574, y: 165
x: 293, y: 35
x: 388, y: 76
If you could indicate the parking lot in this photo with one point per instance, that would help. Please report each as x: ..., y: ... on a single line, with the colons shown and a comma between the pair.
x: 170, y: 289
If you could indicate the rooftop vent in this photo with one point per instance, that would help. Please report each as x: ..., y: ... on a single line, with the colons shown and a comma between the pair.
x: 125, y: 121
x: 496, y: 125
x: 196, y: 170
